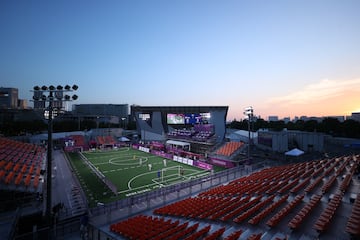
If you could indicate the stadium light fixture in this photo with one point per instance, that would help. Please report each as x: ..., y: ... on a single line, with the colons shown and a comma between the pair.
x: 49, y: 94
x: 249, y: 112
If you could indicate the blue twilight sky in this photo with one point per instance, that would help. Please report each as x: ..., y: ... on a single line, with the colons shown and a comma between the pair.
x: 285, y: 58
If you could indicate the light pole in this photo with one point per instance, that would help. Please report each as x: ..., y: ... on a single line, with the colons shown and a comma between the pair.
x: 249, y: 111
x: 55, y: 98
x: 123, y: 120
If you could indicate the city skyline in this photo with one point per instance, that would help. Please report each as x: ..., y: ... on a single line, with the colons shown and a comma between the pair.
x: 282, y: 58
x: 68, y: 107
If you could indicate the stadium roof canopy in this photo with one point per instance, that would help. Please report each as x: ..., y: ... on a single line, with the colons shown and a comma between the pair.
x: 178, y: 109
x: 177, y: 143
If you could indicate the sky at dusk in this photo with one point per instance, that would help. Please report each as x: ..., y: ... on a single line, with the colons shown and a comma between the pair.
x: 283, y: 58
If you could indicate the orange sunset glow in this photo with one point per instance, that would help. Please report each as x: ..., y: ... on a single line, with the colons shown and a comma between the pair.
x: 325, y: 98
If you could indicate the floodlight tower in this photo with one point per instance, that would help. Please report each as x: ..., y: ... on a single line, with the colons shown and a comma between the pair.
x: 249, y: 112
x: 123, y: 122
x: 55, y: 98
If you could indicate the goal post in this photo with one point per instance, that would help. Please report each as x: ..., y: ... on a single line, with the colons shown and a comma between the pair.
x: 170, y: 172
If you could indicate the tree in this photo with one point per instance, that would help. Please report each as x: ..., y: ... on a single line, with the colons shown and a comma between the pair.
x: 331, y: 126
x: 277, y: 125
x: 310, y: 126
x: 299, y: 125
x: 351, y: 128
x: 260, y: 123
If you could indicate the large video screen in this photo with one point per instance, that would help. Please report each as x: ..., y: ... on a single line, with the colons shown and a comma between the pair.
x: 175, y: 118
x: 193, y: 118
x: 144, y: 116
x: 205, y: 117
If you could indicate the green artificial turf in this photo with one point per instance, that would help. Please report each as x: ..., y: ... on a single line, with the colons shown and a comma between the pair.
x: 128, y: 170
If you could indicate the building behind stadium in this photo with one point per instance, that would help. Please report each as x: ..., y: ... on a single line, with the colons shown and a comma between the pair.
x: 201, y: 126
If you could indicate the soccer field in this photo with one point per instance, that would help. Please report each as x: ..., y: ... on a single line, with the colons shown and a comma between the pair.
x: 128, y: 169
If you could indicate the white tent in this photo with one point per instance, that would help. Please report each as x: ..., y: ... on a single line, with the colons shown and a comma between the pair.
x: 294, y: 152
x: 124, y: 139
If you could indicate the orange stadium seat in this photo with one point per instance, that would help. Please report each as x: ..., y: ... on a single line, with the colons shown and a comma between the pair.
x: 18, y: 179
x: 2, y: 174
x: 27, y: 180
x: 229, y: 148
x: 9, y: 177
x: 36, y: 182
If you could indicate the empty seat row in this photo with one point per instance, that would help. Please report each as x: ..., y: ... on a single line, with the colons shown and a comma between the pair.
x: 200, y: 234
x: 216, y: 234
x: 304, y: 212
x: 316, y: 182
x: 143, y: 227
x: 327, y: 214
x: 353, y: 224
x: 252, y: 210
x: 222, y: 214
x: 256, y: 219
x: 272, y: 222
x: 234, y: 235
x: 241, y: 208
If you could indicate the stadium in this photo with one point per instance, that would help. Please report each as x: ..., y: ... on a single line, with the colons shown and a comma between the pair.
x: 182, y: 179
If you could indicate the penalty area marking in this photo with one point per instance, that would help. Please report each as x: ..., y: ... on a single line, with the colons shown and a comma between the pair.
x: 127, y: 161
x: 142, y: 174
x: 125, y: 149
x: 150, y: 185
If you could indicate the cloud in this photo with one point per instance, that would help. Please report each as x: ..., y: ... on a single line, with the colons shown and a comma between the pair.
x: 317, y: 92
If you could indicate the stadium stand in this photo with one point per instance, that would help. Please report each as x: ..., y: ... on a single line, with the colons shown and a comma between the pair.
x: 198, y: 133
x: 268, y: 196
x: 229, y: 148
x: 75, y: 143
x: 106, y: 141
x: 19, y: 164
x: 353, y: 224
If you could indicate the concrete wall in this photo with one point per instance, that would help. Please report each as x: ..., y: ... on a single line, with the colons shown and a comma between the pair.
x: 286, y: 140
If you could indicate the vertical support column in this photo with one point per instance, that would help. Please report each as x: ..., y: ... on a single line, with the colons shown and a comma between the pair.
x: 249, y: 138
x: 49, y: 166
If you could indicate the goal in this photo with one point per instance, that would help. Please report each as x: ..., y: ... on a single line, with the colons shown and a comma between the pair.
x: 170, y: 173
